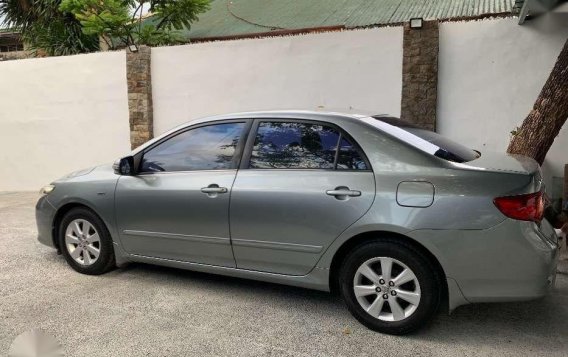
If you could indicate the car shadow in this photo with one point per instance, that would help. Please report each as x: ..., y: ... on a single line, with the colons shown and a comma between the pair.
x: 223, y: 283
x: 469, y: 325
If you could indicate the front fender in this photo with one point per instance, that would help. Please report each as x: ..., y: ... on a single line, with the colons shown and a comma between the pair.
x: 97, y: 196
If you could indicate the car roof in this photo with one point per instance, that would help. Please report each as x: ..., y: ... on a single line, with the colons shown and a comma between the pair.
x: 300, y: 114
x: 273, y: 114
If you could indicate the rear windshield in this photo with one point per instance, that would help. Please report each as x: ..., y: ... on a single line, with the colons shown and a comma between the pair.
x: 448, y: 149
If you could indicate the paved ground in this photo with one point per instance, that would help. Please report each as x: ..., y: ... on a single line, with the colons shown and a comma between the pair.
x: 150, y: 311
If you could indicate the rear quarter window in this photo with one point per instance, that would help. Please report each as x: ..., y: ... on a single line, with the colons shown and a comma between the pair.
x: 447, y: 149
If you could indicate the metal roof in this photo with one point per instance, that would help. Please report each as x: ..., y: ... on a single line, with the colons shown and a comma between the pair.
x: 238, y: 17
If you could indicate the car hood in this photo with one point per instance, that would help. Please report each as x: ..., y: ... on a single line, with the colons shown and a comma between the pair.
x: 100, y: 170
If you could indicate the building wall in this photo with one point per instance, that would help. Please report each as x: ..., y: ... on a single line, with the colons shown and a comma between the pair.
x: 336, y: 70
x: 490, y: 74
x: 61, y: 114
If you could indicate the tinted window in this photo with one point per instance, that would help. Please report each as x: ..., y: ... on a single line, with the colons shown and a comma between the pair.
x: 205, y: 148
x: 349, y: 157
x: 449, y: 149
x: 280, y: 145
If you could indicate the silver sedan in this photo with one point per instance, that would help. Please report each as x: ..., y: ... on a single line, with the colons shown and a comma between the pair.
x: 395, y: 218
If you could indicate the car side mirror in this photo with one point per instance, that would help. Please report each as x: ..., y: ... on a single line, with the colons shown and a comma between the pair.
x: 124, y: 166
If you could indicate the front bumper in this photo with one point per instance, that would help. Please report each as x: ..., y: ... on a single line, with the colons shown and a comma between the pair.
x: 45, y: 214
x: 511, y: 261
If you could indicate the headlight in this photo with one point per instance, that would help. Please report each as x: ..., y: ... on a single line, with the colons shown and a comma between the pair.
x: 46, y: 189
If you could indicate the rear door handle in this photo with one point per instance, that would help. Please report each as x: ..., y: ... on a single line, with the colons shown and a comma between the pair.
x: 350, y: 193
x: 214, y: 189
x: 343, y: 192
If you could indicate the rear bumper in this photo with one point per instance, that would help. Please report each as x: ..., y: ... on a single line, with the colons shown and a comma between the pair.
x: 45, y: 214
x: 512, y: 261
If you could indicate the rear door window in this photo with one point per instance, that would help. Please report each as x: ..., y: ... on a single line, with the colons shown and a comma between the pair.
x: 298, y: 145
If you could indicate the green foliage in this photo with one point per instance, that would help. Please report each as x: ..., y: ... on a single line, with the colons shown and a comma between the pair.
x: 151, y: 36
x: 515, y: 131
x: 177, y: 14
x: 45, y: 28
x: 107, y: 18
x: 59, y: 38
x: 120, y: 23
x: 62, y: 27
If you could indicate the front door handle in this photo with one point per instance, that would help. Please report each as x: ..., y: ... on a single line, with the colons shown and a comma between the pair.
x: 342, y: 192
x: 213, y: 189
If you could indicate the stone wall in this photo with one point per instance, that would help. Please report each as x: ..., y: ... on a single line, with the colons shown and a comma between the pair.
x: 7, y: 56
x: 139, y: 77
x: 420, y: 74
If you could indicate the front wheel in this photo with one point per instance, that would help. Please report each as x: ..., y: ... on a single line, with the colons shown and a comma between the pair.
x: 389, y: 286
x: 85, y: 242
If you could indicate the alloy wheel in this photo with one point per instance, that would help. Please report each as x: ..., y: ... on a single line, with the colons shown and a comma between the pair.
x: 387, y: 289
x: 82, y: 242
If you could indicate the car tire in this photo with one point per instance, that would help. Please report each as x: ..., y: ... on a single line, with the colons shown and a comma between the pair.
x: 414, y: 302
x: 85, y: 242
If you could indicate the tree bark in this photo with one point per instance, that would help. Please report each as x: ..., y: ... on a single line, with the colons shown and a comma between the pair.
x: 25, y: 5
x: 550, y: 111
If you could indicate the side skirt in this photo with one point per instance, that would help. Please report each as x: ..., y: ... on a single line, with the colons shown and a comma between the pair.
x: 317, y: 279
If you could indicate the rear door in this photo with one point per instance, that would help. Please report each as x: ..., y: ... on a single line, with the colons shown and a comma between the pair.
x: 295, y: 193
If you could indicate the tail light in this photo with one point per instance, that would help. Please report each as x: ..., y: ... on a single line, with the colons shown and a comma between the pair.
x: 529, y: 207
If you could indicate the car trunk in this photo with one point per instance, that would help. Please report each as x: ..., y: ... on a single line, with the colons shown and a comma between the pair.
x: 522, y: 174
x: 502, y: 162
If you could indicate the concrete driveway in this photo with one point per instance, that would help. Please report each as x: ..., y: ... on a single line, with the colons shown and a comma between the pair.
x: 151, y: 311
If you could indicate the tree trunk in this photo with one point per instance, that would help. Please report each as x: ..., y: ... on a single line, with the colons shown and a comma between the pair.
x: 25, y: 5
x: 550, y: 111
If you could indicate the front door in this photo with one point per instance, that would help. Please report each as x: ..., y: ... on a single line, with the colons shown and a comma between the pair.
x: 177, y: 207
x: 304, y: 184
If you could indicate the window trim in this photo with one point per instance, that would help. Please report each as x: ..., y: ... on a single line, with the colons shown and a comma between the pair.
x: 235, y: 163
x: 247, y: 154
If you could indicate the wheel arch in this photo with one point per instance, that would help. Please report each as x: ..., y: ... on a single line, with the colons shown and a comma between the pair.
x: 59, y: 214
x: 364, y: 237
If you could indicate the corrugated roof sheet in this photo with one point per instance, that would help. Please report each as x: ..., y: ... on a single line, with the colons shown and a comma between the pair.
x: 238, y: 17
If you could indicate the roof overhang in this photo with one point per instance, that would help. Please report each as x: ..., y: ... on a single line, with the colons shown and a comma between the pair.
x: 10, y: 37
x: 532, y: 8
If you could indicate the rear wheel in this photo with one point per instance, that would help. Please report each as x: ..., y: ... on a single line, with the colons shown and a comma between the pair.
x: 389, y: 286
x: 85, y: 242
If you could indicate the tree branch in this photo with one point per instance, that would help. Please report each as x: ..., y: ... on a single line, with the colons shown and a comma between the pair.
x: 162, y: 21
x: 125, y: 40
x: 140, y: 4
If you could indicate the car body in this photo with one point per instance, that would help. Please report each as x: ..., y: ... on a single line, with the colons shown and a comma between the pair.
x: 247, y: 217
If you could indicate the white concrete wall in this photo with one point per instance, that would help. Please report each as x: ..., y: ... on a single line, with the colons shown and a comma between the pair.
x: 490, y: 73
x: 336, y: 70
x: 60, y: 114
